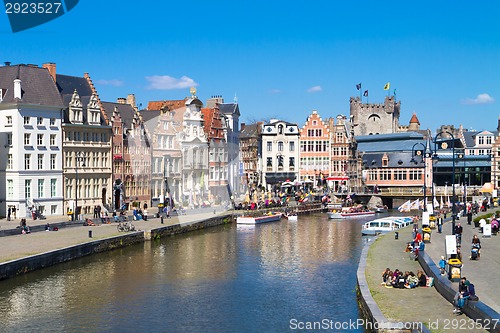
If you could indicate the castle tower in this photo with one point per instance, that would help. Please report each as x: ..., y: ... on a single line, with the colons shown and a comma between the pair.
x: 375, y: 118
x: 414, y: 123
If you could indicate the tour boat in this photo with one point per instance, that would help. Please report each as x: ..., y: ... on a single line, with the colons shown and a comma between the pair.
x: 290, y: 217
x: 339, y: 212
x: 379, y: 226
x: 258, y: 219
x: 381, y: 209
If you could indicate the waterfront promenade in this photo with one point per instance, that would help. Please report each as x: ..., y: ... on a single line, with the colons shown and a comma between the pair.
x: 20, y: 246
x: 427, y: 305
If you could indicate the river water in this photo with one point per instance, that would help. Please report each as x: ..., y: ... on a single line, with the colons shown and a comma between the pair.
x: 275, y: 277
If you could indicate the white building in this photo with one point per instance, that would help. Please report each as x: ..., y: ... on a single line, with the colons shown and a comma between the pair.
x: 280, y: 152
x: 31, y: 144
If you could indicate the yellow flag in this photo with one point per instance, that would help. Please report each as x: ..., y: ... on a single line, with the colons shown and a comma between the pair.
x: 387, y: 86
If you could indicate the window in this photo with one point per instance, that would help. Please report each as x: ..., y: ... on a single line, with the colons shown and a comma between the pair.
x: 269, y: 163
x: 53, y: 183
x: 52, y: 161
x: 488, y: 140
x: 480, y: 140
x: 280, y: 129
x: 27, y: 188
x: 39, y: 120
x: 280, y: 146
x: 27, y: 161
x: 52, y: 121
x: 53, y: 209
x: 39, y: 139
x: 27, y: 120
x: 292, y: 146
x: 9, y: 120
x: 400, y: 175
x: 10, y: 188
x: 40, y: 161
x: 53, y: 140
x: 415, y: 174
x: 40, y: 188
x: 291, y: 162
x: 27, y: 139
x: 10, y: 160
x: 9, y: 139
x: 269, y: 146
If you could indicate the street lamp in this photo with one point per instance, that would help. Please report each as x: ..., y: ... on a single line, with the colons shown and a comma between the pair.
x: 78, y: 159
x: 462, y: 157
x: 444, y: 145
x: 421, y: 154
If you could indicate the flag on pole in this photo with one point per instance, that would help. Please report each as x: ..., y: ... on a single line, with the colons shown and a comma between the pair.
x: 358, y: 86
x: 365, y: 93
x: 394, y: 93
x: 405, y: 207
x: 387, y: 86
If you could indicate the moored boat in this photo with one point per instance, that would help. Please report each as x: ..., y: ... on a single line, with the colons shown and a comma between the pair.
x: 379, y: 226
x: 258, y: 219
x: 290, y: 217
x: 336, y: 212
x: 381, y: 209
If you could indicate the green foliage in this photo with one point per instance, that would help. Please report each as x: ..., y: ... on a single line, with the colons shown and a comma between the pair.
x: 484, y: 216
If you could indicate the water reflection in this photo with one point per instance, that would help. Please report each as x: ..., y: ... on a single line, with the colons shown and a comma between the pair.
x: 224, y: 279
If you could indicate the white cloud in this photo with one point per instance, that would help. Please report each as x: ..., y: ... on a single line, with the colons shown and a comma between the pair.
x: 112, y: 82
x: 165, y: 82
x: 314, y: 89
x: 480, y: 99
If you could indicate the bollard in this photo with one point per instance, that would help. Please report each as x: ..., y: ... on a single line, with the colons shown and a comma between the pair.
x: 396, y: 235
x: 161, y: 219
x: 90, y: 233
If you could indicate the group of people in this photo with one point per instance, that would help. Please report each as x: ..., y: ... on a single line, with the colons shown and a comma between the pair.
x: 408, y: 279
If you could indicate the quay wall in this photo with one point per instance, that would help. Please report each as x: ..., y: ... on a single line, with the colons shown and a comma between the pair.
x: 28, y: 264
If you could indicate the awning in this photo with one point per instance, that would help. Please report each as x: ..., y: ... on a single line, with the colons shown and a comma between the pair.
x: 338, y: 178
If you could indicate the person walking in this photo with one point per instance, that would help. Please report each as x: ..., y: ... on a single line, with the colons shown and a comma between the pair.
x: 8, y: 214
x: 440, y: 223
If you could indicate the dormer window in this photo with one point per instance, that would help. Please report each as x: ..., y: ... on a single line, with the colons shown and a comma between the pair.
x: 280, y: 129
x: 385, y: 161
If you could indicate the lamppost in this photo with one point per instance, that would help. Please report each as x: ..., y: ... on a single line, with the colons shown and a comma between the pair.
x: 444, y: 145
x: 462, y: 157
x: 78, y: 158
x: 421, y: 154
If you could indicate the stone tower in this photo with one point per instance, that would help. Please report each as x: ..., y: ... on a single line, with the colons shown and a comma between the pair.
x: 375, y: 118
x: 414, y: 123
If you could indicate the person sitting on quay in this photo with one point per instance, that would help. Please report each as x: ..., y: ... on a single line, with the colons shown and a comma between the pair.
x: 385, y: 276
x: 461, y: 295
x: 412, y: 281
x: 422, y: 278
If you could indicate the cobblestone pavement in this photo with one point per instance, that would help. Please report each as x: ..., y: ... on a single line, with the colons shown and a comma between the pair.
x: 423, y: 304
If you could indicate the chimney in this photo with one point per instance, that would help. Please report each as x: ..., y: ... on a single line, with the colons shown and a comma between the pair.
x: 242, y: 126
x: 17, y: 88
x: 121, y: 100
x: 51, y: 67
x: 131, y: 100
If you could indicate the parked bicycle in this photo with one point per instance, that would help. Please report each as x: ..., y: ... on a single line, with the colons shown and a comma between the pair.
x: 125, y: 226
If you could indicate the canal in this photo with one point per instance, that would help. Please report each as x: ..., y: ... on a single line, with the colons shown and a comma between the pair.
x: 274, y: 277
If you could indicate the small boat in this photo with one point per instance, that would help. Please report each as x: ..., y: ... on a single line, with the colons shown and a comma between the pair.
x: 336, y: 212
x: 290, y: 217
x: 380, y: 209
x: 258, y: 219
x: 379, y: 226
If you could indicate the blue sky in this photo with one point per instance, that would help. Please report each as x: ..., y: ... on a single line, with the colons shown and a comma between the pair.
x: 282, y: 59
